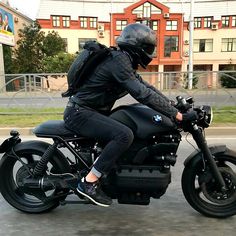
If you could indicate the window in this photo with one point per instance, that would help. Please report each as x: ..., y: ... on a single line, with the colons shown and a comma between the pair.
x: 234, y: 21
x: 82, y: 42
x: 66, y: 21
x: 225, y: 21
x: 154, y: 25
x: 56, y: 21
x: 171, y: 45
x: 93, y: 22
x: 120, y: 24
x: 147, y: 9
x: 66, y: 44
x: 203, y: 45
x: 171, y: 25
x: 198, y: 22
x: 228, y: 45
x: 83, y: 22
x: 207, y: 22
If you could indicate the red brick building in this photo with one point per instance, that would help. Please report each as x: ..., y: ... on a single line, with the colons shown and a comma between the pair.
x: 168, y: 27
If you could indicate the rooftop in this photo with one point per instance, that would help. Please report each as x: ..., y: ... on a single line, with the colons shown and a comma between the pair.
x: 103, y: 8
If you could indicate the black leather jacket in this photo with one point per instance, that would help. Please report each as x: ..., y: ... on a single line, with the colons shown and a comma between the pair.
x: 113, y: 79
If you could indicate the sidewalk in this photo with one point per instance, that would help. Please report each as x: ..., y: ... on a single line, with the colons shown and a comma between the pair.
x: 215, y: 130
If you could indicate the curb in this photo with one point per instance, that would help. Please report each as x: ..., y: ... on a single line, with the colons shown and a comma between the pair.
x: 221, y: 131
x: 28, y: 131
x: 217, y: 131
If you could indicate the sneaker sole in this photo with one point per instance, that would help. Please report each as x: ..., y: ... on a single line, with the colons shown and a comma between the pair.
x: 91, y: 199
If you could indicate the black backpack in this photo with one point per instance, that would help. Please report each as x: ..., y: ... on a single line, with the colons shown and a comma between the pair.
x: 84, y: 64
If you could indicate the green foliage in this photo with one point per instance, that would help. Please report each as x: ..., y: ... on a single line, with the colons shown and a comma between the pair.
x: 8, y: 62
x: 186, y: 81
x: 35, y: 51
x: 53, y: 44
x: 228, y: 79
x: 28, y: 54
x: 59, y: 63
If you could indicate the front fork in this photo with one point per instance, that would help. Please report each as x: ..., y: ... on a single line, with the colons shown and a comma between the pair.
x: 202, y: 145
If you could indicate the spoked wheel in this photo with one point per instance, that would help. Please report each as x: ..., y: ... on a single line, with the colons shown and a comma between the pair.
x: 202, y: 192
x: 12, y: 174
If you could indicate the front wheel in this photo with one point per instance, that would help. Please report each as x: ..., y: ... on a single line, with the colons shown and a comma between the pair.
x: 202, y: 193
x: 13, y: 170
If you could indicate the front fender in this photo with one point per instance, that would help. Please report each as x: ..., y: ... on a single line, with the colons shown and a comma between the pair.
x: 196, y: 156
x: 42, y: 147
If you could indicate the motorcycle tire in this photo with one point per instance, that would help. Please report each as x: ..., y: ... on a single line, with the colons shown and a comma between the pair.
x: 200, y: 189
x: 11, y: 168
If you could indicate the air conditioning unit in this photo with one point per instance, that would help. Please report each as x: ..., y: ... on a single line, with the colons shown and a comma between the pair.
x: 101, y: 34
x: 186, y: 53
x: 139, y: 15
x: 186, y: 42
x: 166, y: 15
x: 101, y: 27
x: 214, y: 25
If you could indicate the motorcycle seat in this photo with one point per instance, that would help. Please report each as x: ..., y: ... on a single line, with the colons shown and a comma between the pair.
x: 53, y: 128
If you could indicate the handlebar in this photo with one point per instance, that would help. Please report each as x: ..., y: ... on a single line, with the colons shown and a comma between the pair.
x: 204, y: 112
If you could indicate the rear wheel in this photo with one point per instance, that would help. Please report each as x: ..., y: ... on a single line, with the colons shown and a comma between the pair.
x: 203, y: 194
x: 12, y: 173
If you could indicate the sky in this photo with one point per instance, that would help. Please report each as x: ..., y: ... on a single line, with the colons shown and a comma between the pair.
x: 27, y: 7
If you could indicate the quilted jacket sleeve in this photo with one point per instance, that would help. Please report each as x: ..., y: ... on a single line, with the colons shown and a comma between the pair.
x: 124, y: 74
x: 151, y: 87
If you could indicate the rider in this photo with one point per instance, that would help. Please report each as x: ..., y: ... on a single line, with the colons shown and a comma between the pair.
x: 86, y: 112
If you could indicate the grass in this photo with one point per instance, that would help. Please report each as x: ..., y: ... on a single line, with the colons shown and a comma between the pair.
x: 17, y: 117
x: 224, y: 115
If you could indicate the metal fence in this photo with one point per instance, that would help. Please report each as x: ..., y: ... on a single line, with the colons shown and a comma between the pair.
x: 32, y: 91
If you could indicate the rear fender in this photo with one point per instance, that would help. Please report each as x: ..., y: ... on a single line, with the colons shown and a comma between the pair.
x: 9, y: 143
x: 42, y: 147
x: 196, y: 156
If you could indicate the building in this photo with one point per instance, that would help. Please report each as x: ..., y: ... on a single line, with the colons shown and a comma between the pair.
x: 214, y: 31
x: 10, y: 22
x: 17, y: 20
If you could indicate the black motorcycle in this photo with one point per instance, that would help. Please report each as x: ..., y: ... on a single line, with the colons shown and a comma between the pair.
x: 36, y: 176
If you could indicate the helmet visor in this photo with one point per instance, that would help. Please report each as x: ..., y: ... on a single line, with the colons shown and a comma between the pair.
x: 148, y: 48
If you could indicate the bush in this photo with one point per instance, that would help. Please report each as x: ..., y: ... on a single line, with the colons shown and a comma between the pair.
x: 228, y: 80
x: 195, y: 80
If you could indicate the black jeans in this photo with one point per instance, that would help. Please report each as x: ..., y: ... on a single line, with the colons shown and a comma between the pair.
x: 92, y: 124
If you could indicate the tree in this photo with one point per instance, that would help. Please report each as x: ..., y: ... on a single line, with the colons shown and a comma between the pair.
x: 8, y: 62
x: 53, y: 44
x: 228, y: 79
x: 59, y: 63
x: 29, y: 53
x: 33, y: 49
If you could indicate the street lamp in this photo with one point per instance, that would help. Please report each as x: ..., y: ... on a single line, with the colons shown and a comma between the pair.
x: 191, y: 30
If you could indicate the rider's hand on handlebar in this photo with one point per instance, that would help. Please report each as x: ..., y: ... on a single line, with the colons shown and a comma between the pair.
x: 188, y: 116
x: 179, y: 116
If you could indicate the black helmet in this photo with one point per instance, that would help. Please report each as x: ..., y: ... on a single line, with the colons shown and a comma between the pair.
x: 140, y: 41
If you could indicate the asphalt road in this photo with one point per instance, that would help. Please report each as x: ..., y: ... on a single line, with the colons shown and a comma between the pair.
x: 28, y: 100
x: 170, y: 215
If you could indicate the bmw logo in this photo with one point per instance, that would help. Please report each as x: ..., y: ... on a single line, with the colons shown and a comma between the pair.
x: 157, y: 118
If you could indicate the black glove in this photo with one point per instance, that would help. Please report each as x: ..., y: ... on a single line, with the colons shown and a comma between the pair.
x: 190, y: 116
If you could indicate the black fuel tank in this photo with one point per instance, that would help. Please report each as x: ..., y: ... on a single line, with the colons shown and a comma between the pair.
x: 144, y: 121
